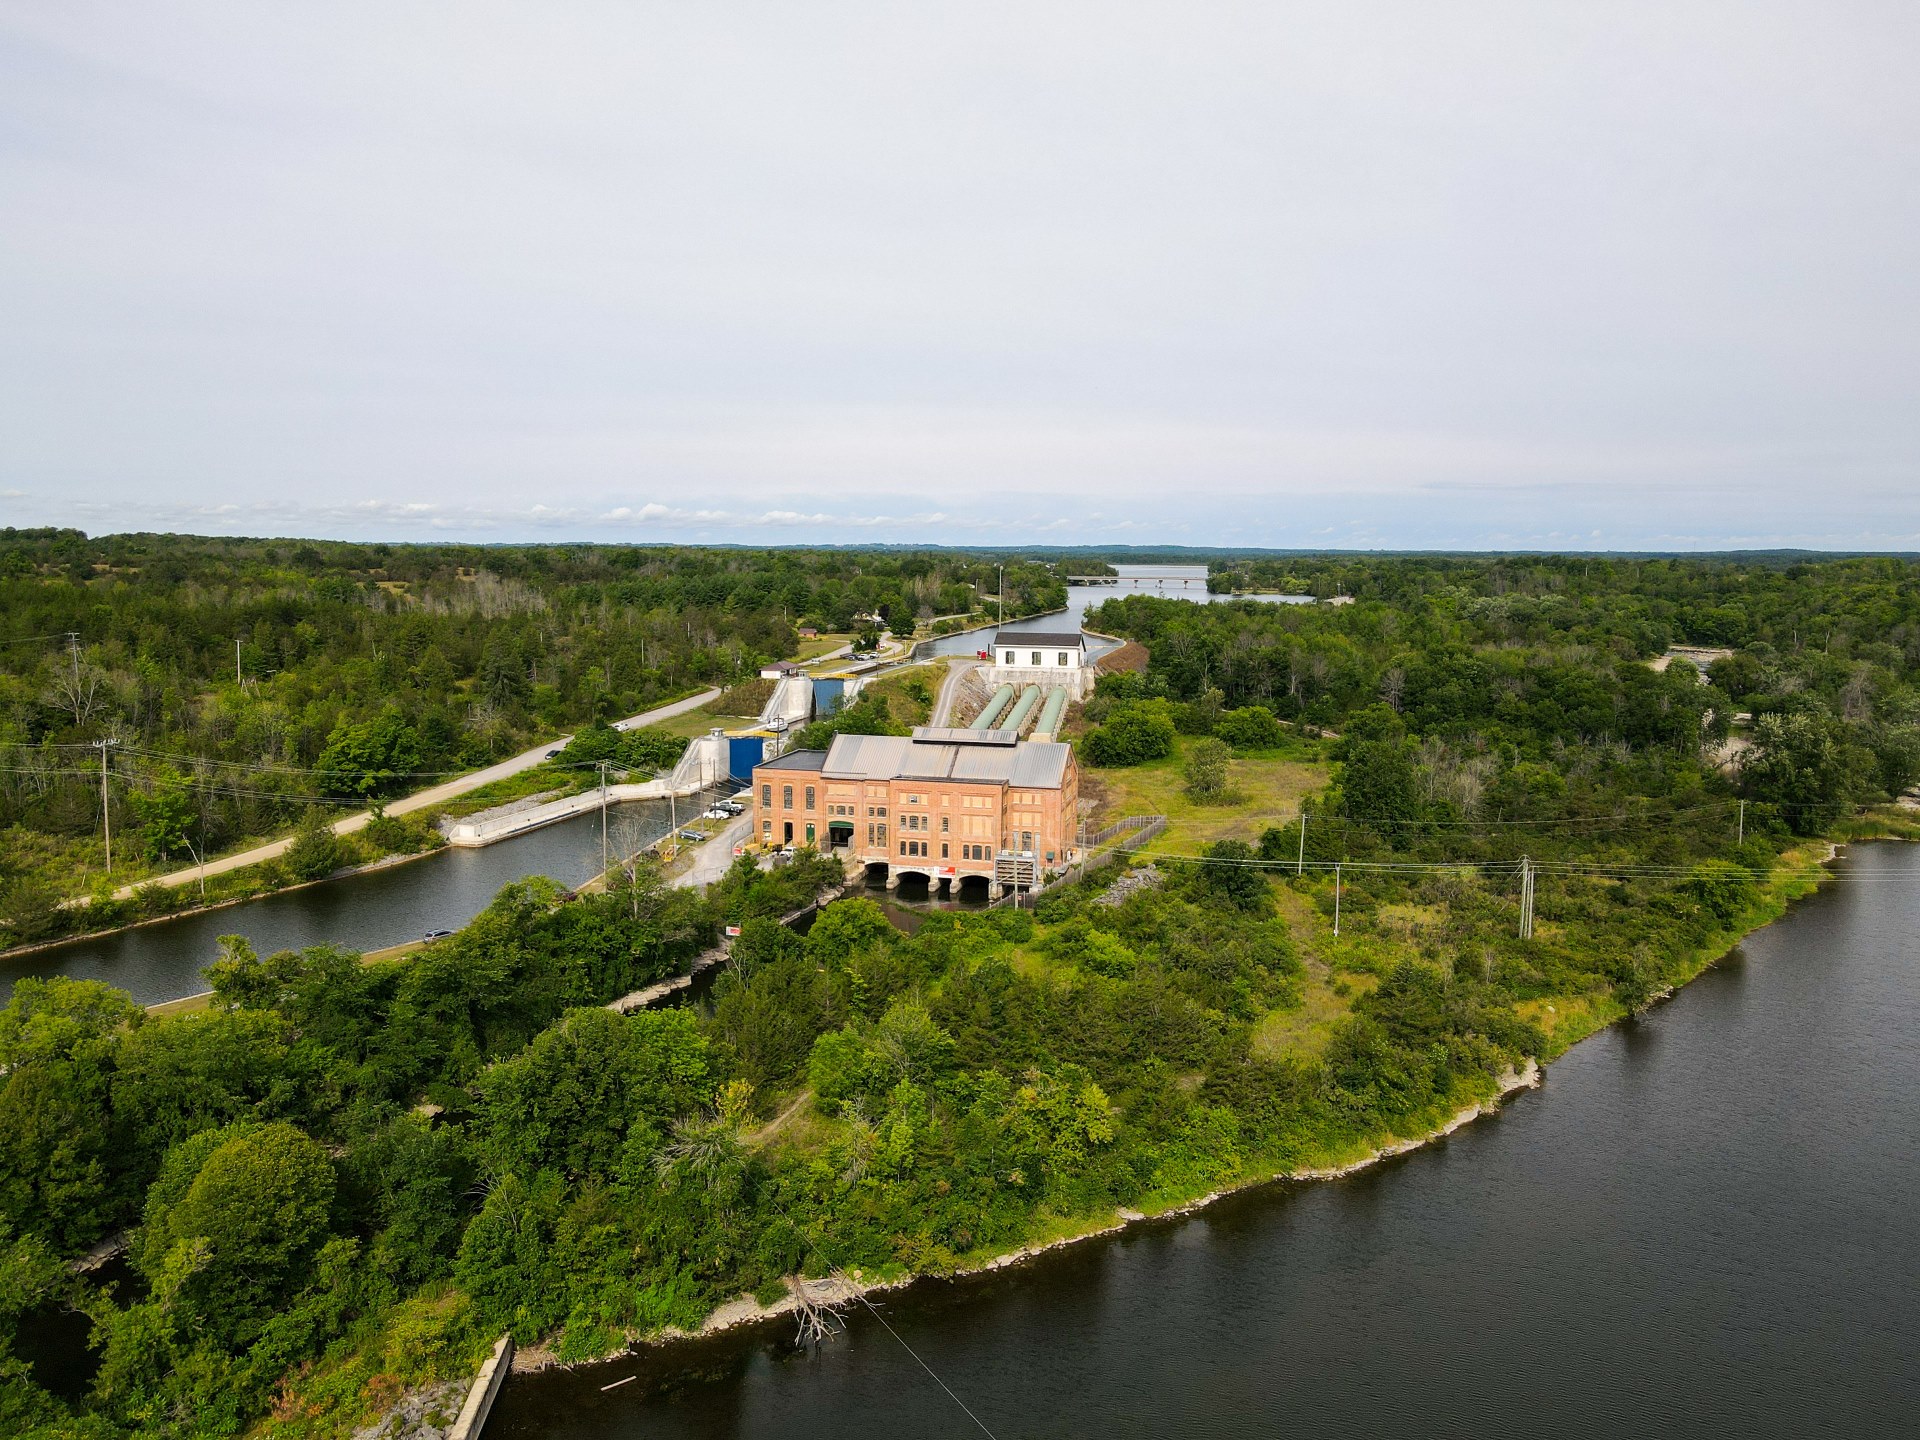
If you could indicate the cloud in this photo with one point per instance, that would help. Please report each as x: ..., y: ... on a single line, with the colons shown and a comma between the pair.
x: 1408, y: 275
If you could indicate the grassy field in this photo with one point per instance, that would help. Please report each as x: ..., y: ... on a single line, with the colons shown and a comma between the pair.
x: 904, y: 707
x: 1266, y: 791
x: 813, y: 649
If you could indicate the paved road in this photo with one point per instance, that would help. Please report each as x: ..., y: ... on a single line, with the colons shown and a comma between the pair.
x: 957, y: 669
x: 420, y: 800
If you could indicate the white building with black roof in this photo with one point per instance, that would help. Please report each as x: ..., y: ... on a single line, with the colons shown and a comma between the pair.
x: 1048, y: 658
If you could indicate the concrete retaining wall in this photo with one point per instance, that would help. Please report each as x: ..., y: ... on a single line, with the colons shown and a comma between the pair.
x: 485, y: 1389
x: 470, y: 833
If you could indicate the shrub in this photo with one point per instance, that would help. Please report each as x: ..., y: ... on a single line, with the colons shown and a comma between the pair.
x: 1132, y: 736
x: 392, y: 836
x: 1252, y: 727
x: 1206, y: 771
x: 316, y: 852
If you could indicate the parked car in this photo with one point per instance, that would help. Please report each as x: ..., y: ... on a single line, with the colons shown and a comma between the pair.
x: 433, y: 935
x: 694, y: 835
x: 556, y: 753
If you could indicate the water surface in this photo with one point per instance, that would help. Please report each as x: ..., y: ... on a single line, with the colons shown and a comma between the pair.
x: 369, y: 911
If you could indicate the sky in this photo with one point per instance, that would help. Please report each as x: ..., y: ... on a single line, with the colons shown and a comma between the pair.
x: 1383, y: 275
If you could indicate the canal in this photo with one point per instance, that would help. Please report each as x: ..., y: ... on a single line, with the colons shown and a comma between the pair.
x: 1702, y: 1225
x: 368, y: 911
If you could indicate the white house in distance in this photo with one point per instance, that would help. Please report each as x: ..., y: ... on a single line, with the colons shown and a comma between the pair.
x: 1042, y: 657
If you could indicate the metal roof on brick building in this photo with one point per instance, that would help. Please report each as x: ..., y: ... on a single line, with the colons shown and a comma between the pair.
x: 1038, y: 764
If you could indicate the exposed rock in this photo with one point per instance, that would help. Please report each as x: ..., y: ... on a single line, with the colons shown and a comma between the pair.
x: 424, y: 1414
x: 1144, y: 877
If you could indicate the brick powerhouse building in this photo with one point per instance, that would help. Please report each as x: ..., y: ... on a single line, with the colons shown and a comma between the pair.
x: 949, y: 805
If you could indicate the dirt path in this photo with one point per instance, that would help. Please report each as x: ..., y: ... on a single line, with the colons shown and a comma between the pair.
x: 767, y: 1131
x: 712, y: 859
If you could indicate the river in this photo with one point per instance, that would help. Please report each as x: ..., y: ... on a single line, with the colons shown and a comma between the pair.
x: 368, y: 911
x: 1171, y: 582
x: 1701, y: 1225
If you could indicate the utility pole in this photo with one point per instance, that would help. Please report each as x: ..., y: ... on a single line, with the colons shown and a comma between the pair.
x: 106, y: 814
x: 1336, y: 899
x: 1002, y: 588
x: 1300, y: 864
x: 236, y: 662
x: 1743, y: 823
x: 1526, y: 898
x: 603, y: 820
x: 73, y: 647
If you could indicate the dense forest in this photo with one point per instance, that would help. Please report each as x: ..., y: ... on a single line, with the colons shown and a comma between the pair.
x: 1497, y: 669
x: 245, y: 683
x: 345, y: 1179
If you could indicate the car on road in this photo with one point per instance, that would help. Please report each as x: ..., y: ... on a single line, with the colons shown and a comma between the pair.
x: 433, y: 935
x: 556, y: 753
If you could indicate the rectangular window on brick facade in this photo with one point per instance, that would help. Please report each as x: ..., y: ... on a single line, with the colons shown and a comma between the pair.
x: 766, y: 796
x: 809, y: 797
x: 786, y: 797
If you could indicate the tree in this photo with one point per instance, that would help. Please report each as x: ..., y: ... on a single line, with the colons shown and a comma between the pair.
x: 186, y: 1073
x: 766, y: 1018
x: 845, y: 928
x: 31, y: 1275
x: 252, y: 1201
x: 1206, y: 771
x: 60, y: 1175
x: 1230, y: 872
x: 567, y: 1101
x: 1379, y: 783
x: 377, y: 757
x: 164, y: 813
x: 1804, y: 763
